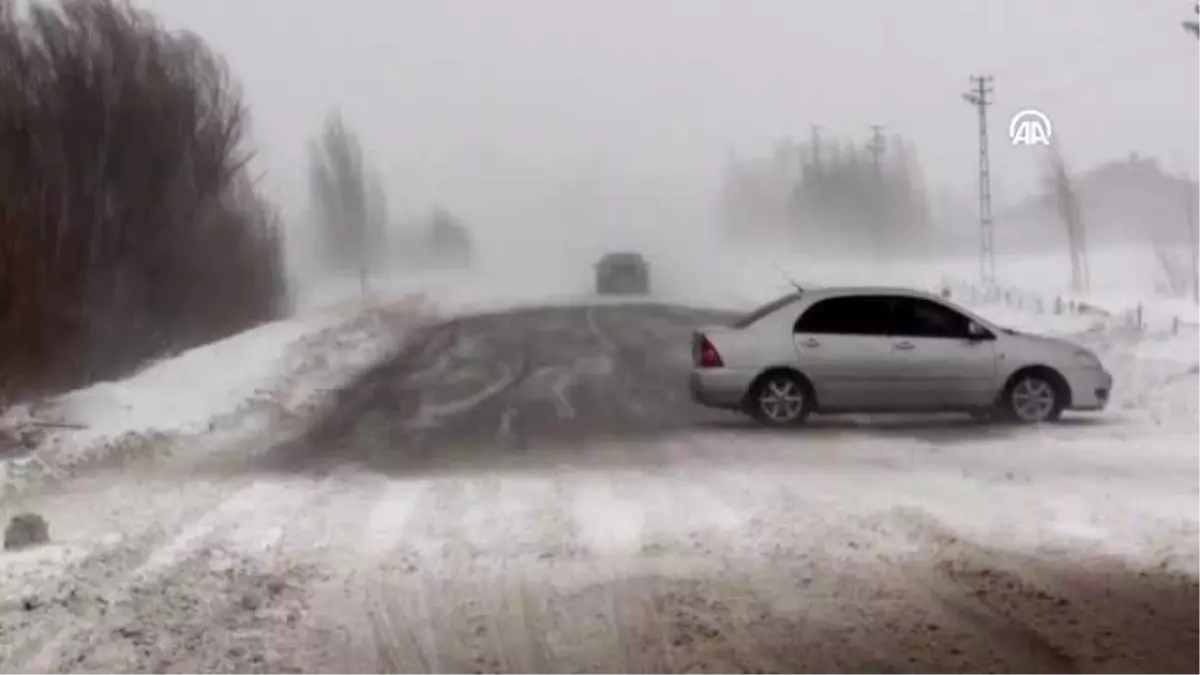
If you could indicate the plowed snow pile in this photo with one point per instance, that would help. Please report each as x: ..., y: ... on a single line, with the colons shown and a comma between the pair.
x: 222, y: 395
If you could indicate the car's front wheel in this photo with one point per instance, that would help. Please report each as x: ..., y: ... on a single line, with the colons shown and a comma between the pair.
x: 780, y: 399
x: 1034, y: 397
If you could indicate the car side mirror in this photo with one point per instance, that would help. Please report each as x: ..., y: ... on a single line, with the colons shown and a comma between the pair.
x: 976, y: 332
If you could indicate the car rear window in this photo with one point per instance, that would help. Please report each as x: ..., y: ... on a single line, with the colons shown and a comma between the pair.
x: 623, y: 259
x: 765, y: 310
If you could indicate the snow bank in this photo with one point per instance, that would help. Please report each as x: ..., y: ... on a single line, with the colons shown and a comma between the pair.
x: 184, y: 393
x: 1120, y: 282
x: 239, y: 386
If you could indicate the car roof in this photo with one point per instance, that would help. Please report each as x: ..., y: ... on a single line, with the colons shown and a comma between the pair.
x: 838, y: 291
x: 622, y: 256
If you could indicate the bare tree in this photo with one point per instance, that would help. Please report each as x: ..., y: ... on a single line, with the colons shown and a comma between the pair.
x: 1066, y: 201
x: 377, y: 220
x: 1176, y: 275
x: 1193, y: 26
x: 449, y: 239
x: 348, y: 203
x: 128, y: 223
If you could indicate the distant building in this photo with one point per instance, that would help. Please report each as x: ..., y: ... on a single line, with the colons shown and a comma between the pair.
x: 1123, y: 202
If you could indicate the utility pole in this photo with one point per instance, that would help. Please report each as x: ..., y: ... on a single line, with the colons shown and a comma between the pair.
x: 1193, y: 252
x: 978, y: 97
x: 815, y: 142
x: 876, y: 147
x: 1193, y: 27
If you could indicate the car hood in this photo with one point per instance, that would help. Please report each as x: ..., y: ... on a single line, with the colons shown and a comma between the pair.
x: 1044, y: 343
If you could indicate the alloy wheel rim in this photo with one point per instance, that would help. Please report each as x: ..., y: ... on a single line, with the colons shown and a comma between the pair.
x: 781, y: 401
x: 1033, y: 399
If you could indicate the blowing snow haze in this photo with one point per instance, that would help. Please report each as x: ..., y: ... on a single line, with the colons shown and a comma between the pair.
x: 421, y: 336
x: 568, y: 127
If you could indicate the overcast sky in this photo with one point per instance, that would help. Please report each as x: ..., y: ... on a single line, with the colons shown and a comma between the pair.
x: 505, y: 108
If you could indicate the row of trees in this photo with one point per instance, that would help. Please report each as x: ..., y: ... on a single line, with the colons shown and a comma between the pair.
x: 837, y: 191
x: 129, y: 223
x: 350, y: 210
x: 348, y: 202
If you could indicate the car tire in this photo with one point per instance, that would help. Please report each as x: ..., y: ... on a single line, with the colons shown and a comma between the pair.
x: 1033, y: 397
x: 780, y: 399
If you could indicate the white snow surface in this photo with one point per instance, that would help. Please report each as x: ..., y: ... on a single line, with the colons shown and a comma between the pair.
x: 237, y: 387
x: 165, y: 570
x: 186, y: 392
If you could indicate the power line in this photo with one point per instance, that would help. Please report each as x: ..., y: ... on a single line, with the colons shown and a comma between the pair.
x: 978, y: 97
x: 1037, y: 80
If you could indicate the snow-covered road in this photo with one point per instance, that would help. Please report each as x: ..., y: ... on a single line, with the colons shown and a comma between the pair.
x: 712, y: 551
x: 852, y: 545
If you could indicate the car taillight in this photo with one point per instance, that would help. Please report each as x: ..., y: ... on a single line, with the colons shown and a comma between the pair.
x: 707, y: 355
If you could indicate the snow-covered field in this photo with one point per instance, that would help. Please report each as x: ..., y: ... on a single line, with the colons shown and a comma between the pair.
x: 838, y: 548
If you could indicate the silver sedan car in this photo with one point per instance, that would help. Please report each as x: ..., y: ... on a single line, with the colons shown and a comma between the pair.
x: 841, y: 350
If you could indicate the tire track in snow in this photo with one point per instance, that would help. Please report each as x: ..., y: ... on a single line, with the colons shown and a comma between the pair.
x: 62, y: 591
x: 371, y: 536
x: 522, y: 517
x: 402, y: 609
x: 609, y: 525
x: 249, y: 523
x: 234, y: 521
x: 681, y: 512
x: 477, y: 601
x: 515, y: 525
x: 612, y: 518
x: 431, y: 414
x: 641, y: 633
x: 388, y: 521
x: 609, y: 346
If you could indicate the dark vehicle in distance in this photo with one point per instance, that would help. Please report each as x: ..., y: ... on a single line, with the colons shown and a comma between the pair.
x: 449, y: 241
x: 621, y: 273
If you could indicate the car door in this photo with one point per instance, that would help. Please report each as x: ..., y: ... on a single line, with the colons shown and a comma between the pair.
x: 842, y: 345
x: 937, y: 362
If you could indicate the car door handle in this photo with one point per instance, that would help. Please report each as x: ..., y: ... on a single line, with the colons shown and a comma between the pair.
x: 811, y: 343
x: 904, y: 345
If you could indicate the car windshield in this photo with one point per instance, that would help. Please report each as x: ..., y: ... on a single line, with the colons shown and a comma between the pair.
x: 769, y: 308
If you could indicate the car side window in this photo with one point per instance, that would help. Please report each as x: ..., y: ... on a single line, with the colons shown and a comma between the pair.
x: 918, y: 317
x: 850, y: 315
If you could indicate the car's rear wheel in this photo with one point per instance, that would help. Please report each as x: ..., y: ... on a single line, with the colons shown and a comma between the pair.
x: 780, y: 399
x: 1034, y: 397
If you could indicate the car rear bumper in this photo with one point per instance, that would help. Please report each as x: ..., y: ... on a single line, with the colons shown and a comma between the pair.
x: 719, y: 387
x: 1091, y: 388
